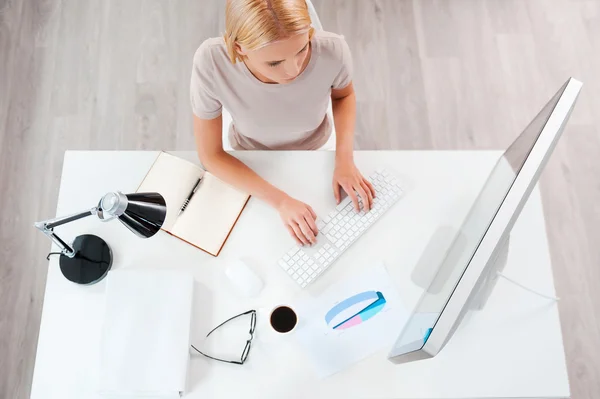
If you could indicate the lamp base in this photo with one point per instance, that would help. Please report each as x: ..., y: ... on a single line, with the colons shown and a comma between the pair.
x: 92, y: 261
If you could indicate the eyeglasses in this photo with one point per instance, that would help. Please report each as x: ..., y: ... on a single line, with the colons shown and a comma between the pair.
x: 248, y: 342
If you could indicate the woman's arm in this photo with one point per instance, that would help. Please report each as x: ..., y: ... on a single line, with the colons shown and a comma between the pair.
x: 298, y: 217
x: 346, y: 175
x: 343, y: 104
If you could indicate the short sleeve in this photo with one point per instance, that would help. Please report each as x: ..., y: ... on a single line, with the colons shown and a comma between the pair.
x: 344, y: 76
x: 205, y: 103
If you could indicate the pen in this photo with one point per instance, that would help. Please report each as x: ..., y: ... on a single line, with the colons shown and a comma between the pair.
x: 189, y: 198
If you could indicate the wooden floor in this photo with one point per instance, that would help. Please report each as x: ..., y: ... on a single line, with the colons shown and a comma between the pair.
x: 447, y: 74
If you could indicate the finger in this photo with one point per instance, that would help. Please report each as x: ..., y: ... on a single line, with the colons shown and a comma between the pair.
x: 368, y: 192
x: 350, y: 191
x: 336, y: 191
x: 299, y: 234
x: 365, y: 198
x: 313, y: 213
x: 371, y: 188
x: 293, y: 234
x: 311, y: 223
x: 307, y: 231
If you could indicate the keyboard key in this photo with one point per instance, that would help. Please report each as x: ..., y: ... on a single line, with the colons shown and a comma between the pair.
x: 327, y: 247
x: 284, y: 265
x: 293, y: 251
x: 320, y: 224
x: 305, y: 258
x: 342, y: 204
x: 330, y: 237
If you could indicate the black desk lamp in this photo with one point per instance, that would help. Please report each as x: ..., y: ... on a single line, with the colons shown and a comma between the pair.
x: 89, y: 258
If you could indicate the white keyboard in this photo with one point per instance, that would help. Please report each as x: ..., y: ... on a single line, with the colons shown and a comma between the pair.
x: 338, y: 230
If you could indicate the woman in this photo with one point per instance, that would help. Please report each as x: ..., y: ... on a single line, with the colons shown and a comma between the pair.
x: 275, y: 74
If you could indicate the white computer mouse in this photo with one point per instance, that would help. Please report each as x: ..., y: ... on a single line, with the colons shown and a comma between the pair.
x: 243, y: 278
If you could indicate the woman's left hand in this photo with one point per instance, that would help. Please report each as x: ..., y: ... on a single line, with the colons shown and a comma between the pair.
x: 349, y: 178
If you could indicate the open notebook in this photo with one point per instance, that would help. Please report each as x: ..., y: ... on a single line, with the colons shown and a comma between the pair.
x: 213, y: 210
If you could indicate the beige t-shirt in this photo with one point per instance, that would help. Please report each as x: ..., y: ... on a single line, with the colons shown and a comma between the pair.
x: 271, y: 116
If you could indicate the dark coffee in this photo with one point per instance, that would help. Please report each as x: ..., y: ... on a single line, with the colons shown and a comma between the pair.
x: 283, y: 319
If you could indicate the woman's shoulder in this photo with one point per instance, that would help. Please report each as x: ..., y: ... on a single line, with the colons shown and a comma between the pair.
x: 331, y: 45
x: 212, y: 51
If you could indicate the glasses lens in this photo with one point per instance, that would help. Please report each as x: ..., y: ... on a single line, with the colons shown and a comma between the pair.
x: 246, y: 351
x: 253, y: 323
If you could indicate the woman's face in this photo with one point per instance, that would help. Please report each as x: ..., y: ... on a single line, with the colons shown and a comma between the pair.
x: 281, y: 61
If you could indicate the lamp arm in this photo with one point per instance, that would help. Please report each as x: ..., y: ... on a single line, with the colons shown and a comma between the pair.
x: 47, y: 227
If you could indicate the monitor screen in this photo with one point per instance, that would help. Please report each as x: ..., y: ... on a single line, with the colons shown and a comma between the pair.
x: 466, y: 240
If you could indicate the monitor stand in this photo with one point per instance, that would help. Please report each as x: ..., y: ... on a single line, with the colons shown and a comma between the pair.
x: 491, y: 276
x: 494, y: 271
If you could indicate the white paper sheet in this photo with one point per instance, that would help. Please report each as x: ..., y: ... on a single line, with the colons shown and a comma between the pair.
x: 145, y: 342
x: 334, y: 332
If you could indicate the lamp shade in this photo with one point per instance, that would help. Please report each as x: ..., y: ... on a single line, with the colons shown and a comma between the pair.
x: 142, y: 213
x: 145, y: 213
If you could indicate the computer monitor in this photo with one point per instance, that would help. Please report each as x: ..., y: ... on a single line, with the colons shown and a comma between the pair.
x: 467, y: 273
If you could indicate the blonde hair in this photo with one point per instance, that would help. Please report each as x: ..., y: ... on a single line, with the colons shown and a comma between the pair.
x: 256, y: 23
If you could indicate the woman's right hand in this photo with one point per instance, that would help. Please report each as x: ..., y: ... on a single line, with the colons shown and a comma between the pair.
x: 299, y: 218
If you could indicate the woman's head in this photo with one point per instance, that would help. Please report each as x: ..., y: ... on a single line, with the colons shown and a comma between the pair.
x: 271, y: 36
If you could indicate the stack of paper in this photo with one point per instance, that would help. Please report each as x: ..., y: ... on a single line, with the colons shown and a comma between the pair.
x: 146, y: 336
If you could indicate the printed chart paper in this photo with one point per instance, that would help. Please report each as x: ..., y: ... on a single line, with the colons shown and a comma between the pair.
x: 350, y: 321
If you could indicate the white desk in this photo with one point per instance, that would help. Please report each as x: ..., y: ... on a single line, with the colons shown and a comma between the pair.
x: 513, y: 348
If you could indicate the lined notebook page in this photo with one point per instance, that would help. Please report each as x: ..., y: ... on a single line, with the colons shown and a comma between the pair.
x: 174, y: 179
x: 210, y: 215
